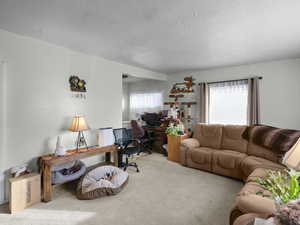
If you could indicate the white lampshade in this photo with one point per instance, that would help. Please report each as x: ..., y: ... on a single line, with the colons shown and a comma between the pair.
x: 78, y: 124
x: 292, y: 158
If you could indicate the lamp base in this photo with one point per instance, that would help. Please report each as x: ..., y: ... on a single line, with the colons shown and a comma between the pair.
x: 81, y: 141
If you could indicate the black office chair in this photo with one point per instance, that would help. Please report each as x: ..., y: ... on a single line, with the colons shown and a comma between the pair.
x: 127, y: 146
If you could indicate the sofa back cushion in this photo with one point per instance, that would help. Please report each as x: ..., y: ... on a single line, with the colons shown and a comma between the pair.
x: 232, y: 138
x: 209, y: 135
x: 259, y: 151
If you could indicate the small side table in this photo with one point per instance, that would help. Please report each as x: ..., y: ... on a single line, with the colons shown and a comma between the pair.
x: 24, y: 191
x: 174, y: 147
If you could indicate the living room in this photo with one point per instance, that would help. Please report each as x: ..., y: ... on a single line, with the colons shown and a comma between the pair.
x: 157, y: 49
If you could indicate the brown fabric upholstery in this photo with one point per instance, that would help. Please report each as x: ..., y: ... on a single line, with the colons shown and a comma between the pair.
x: 253, y: 203
x: 200, y: 158
x: 259, y: 173
x: 209, y: 135
x: 183, y: 152
x: 250, y: 163
x: 222, y: 150
x: 262, y: 152
x: 253, y: 188
x: 277, y: 139
x: 232, y: 138
x: 227, y: 163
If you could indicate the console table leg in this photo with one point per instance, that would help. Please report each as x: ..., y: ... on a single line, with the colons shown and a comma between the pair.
x: 107, y: 157
x: 116, y: 158
x: 47, y: 185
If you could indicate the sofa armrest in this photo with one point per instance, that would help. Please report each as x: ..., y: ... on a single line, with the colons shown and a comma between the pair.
x: 190, y: 143
x: 185, y: 145
x: 252, y: 203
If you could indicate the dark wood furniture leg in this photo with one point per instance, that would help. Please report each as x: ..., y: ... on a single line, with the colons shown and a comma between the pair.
x: 116, y: 158
x: 47, y: 186
x: 108, y: 157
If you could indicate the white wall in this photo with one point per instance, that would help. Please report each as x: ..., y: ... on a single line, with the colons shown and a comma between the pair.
x: 280, y: 90
x: 125, y: 115
x: 39, y: 102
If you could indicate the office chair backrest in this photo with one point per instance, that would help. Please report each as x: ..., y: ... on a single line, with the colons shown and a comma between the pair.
x: 137, y: 130
x: 121, y: 135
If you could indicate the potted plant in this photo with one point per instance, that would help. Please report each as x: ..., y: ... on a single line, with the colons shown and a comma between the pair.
x: 285, y: 190
x: 173, y: 130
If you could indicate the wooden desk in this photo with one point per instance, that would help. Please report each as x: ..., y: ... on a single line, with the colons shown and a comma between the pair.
x: 48, y: 161
x: 160, y: 138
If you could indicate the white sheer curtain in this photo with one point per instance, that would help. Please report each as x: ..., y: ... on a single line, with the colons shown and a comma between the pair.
x: 144, y: 102
x: 228, y: 102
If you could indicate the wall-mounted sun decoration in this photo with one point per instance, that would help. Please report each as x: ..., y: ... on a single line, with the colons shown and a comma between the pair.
x: 78, y: 85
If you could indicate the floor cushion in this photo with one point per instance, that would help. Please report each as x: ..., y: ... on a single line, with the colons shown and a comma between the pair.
x: 101, y: 181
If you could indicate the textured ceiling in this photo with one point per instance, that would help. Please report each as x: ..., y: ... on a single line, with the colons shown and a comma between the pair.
x: 163, y: 35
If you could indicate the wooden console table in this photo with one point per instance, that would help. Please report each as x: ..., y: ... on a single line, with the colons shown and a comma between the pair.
x: 48, y: 161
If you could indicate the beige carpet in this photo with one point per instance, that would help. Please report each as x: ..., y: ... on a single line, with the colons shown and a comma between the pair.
x: 163, y: 193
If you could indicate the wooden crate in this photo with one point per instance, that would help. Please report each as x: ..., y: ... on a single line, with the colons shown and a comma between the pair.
x: 24, y: 191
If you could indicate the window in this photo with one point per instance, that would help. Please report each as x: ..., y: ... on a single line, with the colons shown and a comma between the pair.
x: 228, y: 102
x: 145, y: 102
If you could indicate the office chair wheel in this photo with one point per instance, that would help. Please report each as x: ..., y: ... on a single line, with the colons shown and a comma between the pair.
x: 137, y: 170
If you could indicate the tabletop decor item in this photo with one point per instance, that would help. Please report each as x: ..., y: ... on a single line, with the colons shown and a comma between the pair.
x: 60, y: 149
x: 79, y: 125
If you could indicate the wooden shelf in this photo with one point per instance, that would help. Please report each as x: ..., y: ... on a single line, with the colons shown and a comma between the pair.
x: 180, y: 103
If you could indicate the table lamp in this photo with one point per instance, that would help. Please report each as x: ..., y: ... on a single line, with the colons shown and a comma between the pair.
x: 292, y: 158
x: 79, y: 125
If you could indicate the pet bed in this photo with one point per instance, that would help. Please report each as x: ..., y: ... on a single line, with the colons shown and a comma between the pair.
x: 102, y: 181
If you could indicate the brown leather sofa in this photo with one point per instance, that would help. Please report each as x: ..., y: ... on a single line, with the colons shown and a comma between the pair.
x: 222, y: 150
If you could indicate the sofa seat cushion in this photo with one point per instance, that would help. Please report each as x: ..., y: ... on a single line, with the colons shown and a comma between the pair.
x: 228, y: 159
x: 227, y: 163
x: 250, y: 163
x: 232, y: 138
x: 200, y: 158
x: 209, y: 135
x: 202, y: 155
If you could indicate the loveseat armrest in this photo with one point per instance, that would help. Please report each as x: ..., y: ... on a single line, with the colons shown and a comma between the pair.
x: 190, y: 143
x: 185, y: 145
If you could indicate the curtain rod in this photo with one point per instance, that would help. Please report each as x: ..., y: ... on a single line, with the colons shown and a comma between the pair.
x: 214, y: 82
